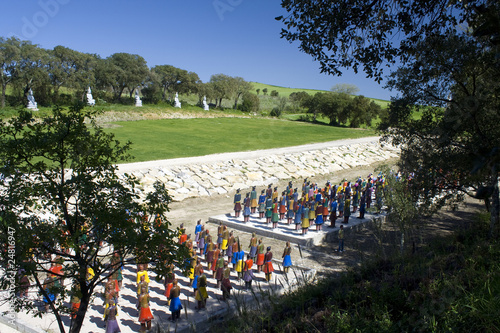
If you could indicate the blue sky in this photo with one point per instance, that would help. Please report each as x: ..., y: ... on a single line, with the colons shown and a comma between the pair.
x: 233, y: 37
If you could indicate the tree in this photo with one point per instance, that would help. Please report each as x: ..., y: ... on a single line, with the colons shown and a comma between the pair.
x: 257, y: 91
x: 297, y: 98
x: 331, y: 105
x: 400, y: 195
x: 345, y: 88
x: 454, y: 87
x: 447, y: 53
x: 62, y: 198
x: 361, y: 111
x: 10, y: 54
x: 278, y: 110
x: 274, y: 93
x: 69, y: 68
x: 125, y: 70
x: 368, y: 34
x: 221, y: 87
x: 264, y: 91
x: 239, y: 86
x: 61, y: 68
x: 173, y: 79
x: 151, y: 90
x: 204, y: 90
x: 250, y: 103
x: 32, y: 71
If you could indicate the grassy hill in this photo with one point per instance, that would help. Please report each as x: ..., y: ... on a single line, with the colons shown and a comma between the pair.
x: 284, y: 91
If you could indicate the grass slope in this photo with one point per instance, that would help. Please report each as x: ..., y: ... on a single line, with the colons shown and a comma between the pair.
x: 173, y: 138
x: 284, y: 91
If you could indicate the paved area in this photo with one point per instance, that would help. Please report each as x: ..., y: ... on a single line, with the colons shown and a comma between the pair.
x: 191, y: 319
x: 287, y: 232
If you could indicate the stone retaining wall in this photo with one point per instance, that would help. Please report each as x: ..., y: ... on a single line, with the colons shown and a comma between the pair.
x: 200, y: 179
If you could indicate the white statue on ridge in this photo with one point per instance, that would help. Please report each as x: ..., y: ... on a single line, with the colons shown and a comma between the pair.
x: 177, y: 103
x: 138, y: 101
x: 90, y: 99
x: 205, y: 105
x: 32, y: 105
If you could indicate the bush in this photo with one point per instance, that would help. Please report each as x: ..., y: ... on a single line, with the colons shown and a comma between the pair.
x: 11, y: 100
x: 305, y: 118
x: 250, y: 103
x: 65, y: 99
x: 151, y: 95
x: 276, y: 112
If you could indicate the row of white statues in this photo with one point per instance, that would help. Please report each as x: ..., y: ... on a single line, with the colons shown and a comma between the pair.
x: 32, y: 104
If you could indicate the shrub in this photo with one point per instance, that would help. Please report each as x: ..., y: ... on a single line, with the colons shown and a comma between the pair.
x: 276, y: 112
x: 250, y: 103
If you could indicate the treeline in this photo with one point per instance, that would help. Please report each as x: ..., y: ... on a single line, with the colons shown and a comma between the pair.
x: 62, y: 75
x: 341, y: 108
x: 25, y: 66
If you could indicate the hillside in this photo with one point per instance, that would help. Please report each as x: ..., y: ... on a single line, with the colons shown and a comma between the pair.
x: 286, y: 91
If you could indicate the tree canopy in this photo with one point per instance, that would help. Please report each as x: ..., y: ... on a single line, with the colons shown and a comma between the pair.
x: 25, y: 66
x: 64, y: 203
x: 369, y: 34
x: 444, y: 116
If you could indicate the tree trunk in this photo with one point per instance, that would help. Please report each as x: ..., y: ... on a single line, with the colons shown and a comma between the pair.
x: 4, y: 89
x: 495, y: 207
x: 236, y: 101
x: 51, y: 304
x: 76, y: 324
x: 56, y: 94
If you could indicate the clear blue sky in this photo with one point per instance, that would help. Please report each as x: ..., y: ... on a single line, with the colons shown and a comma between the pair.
x: 233, y: 37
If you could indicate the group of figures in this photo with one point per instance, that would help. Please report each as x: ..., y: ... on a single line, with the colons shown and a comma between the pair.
x: 315, y: 205
x: 209, y: 259
x: 213, y: 250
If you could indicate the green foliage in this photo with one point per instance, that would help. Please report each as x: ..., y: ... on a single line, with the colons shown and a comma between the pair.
x: 451, y: 286
x: 276, y: 112
x: 447, y: 72
x: 274, y: 93
x: 250, y: 103
x: 60, y: 191
x: 456, y: 137
x: 362, y: 34
x: 171, y: 79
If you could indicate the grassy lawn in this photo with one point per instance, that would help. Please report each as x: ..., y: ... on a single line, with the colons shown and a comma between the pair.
x: 173, y: 138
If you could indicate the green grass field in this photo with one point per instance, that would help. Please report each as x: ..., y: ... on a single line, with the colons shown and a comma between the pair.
x: 173, y: 138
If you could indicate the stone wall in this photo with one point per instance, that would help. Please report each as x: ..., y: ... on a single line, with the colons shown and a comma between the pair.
x: 219, y: 177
